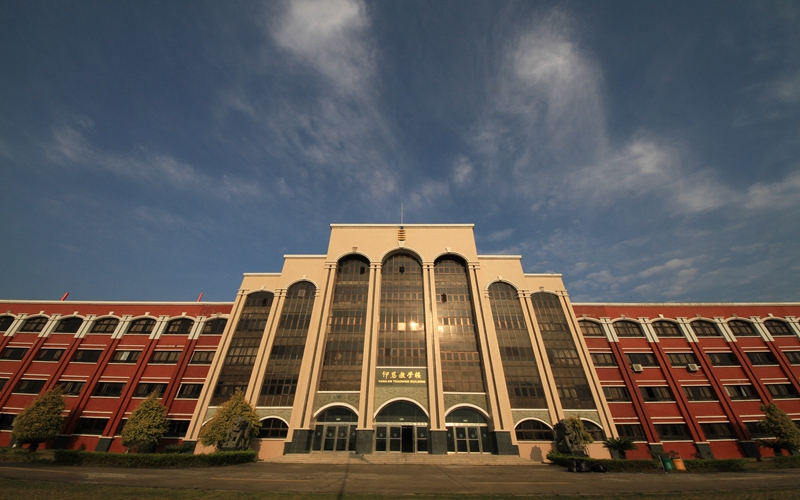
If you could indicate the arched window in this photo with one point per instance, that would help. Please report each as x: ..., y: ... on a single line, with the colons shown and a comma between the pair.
x: 5, y: 322
x: 465, y: 416
x: 69, y: 325
x: 595, y: 430
x: 344, y: 340
x: 338, y: 414
x: 180, y: 326
x: 143, y: 326
x: 591, y: 329
x: 516, y: 351
x: 742, y: 328
x: 402, y: 411
x: 283, y: 368
x: 34, y: 325
x: 667, y: 329
x: 105, y: 325
x: 705, y: 329
x: 215, y: 326
x: 401, y: 335
x: 273, y: 428
x: 534, y: 430
x: 778, y: 328
x: 628, y: 329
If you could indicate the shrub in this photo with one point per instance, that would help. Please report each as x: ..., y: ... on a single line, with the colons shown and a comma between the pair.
x: 612, y: 465
x: 41, y: 420
x: 216, y: 431
x: 716, y: 465
x: 179, y: 448
x: 159, y: 461
x: 146, y: 425
x: 777, y: 423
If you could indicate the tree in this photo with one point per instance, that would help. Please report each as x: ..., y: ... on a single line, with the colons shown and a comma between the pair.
x: 778, y: 424
x: 216, y: 431
x: 572, y: 437
x: 620, y: 445
x: 41, y: 420
x: 777, y: 445
x: 146, y: 425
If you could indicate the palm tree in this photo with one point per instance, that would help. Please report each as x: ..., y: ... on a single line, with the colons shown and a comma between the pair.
x: 620, y: 445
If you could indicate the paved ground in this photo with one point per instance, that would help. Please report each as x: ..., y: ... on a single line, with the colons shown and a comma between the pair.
x: 407, y: 478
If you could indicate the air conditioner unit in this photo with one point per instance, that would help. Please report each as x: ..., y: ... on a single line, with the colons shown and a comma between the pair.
x: 692, y: 367
x: 637, y: 368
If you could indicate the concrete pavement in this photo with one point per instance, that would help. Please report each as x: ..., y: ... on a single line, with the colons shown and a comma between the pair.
x: 404, y: 479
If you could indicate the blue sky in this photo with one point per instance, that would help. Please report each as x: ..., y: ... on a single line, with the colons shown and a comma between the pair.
x: 647, y: 150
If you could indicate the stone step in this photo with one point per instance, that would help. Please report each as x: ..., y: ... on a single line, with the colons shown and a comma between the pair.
x: 400, y: 458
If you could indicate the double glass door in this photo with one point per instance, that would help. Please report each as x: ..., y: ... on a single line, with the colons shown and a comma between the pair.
x: 401, y: 439
x: 334, y: 437
x: 468, y: 439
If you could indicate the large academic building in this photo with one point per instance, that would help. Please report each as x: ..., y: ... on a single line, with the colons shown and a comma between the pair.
x: 406, y: 340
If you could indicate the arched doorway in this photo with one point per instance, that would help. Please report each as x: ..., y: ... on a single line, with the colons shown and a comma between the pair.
x: 335, y: 430
x: 467, y: 432
x: 401, y: 427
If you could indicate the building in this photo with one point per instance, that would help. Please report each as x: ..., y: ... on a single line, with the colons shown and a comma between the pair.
x: 405, y: 340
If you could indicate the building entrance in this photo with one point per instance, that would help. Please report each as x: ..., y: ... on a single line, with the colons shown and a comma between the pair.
x: 335, y: 430
x: 467, y: 432
x: 401, y: 427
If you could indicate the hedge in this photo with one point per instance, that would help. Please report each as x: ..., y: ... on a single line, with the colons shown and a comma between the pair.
x: 611, y: 465
x: 784, y: 462
x: 148, y: 460
x: 716, y: 465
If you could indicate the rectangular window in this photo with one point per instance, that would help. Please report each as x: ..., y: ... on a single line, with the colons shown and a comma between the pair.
x: 125, y: 356
x: 741, y: 392
x: 616, y: 394
x: 190, y: 391
x: 660, y: 393
x: 782, y: 391
x: 13, y: 353
x: 678, y: 359
x: 202, y: 357
x: 91, y: 426
x: 723, y: 359
x: 144, y: 390
x: 673, y: 432
x: 86, y: 356
x: 177, y: 428
x: 49, y: 354
x: 165, y: 357
x: 718, y: 431
x: 109, y: 389
x: 3, y: 382
x: 603, y: 359
x: 70, y: 387
x: 26, y: 386
x: 699, y: 393
x: 793, y: 357
x: 7, y: 421
x: 762, y: 358
x: 631, y: 431
x: 755, y: 430
x: 642, y: 358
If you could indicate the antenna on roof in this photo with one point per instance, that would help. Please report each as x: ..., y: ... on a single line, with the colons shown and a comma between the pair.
x: 200, y: 297
x: 64, y: 297
x: 401, y: 215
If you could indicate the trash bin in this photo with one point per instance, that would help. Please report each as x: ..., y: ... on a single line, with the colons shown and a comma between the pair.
x: 668, y: 464
x: 679, y: 465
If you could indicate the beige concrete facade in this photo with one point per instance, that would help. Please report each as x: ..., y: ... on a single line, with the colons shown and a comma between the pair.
x: 426, y: 244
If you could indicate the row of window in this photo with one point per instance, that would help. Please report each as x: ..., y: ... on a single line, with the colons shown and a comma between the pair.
x: 617, y: 394
x: 682, y: 359
x: 119, y: 356
x: 680, y: 432
x: 701, y: 328
x: 143, y: 326
x: 104, y: 389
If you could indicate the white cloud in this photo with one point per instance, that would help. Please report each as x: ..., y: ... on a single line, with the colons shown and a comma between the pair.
x: 776, y: 195
x: 330, y: 36
x: 670, y: 266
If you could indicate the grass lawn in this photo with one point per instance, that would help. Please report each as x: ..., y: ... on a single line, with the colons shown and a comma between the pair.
x: 44, y: 490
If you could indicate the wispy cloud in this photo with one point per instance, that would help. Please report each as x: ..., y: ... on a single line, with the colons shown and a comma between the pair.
x: 70, y: 147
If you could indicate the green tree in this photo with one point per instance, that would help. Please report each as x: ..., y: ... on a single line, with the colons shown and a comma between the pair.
x: 216, y: 431
x: 778, y: 424
x: 777, y: 445
x: 146, y: 425
x: 41, y: 420
x: 620, y: 445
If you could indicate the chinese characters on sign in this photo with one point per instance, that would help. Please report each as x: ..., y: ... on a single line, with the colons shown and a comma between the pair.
x: 401, y: 376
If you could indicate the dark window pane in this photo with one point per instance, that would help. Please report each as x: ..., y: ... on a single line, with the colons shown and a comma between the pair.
x: 273, y: 428
x: 177, y: 428
x: 705, y: 329
x: 616, y: 394
x: 215, y: 326
x: 699, y: 393
x: 741, y: 392
x: 143, y: 326
x: 13, y: 353
x: 723, y: 359
x: 125, y: 356
x: 762, y: 358
x: 26, y: 386
x: 793, y: 357
x: 658, y: 393
x: 165, y: 357
x: 667, y: 329
x: 628, y: 329
x: 7, y: 421
x: 534, y: 430
x: 603, y: 359
x: 70, y: 387
x: 109, y: 389
x: 632, y: 431
x: 677, y: 359
x: 401, y: 335
x: 87, y: 355
x: 69, y: 325
x: 718, y: 431
x: 5, y: 323
x: 673, y: 432
x: 742, y: 328
x: 190, y: 391
x: 202, y: 357
x: 778, y: 328
x: 91, y: 425
x: 591, y: 329
x: 179, y: 327
x: 144, y: 390
x: 105, y: 325
x: 782, y: 391
x: 34, y: 325
x: 642, y: 358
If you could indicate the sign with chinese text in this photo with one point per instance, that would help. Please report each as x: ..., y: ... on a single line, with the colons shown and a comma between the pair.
x: 401, y: 375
